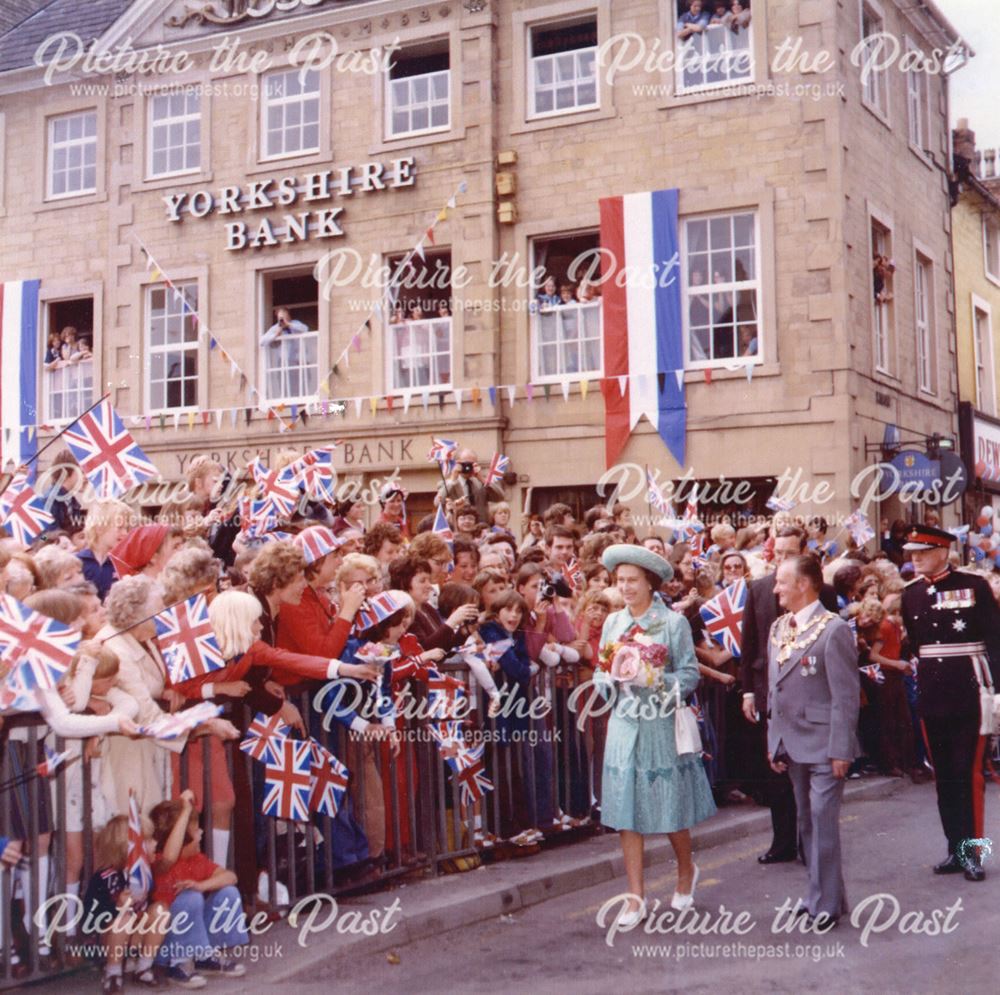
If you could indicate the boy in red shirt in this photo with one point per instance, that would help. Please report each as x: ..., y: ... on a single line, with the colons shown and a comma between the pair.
x: 188, y: 882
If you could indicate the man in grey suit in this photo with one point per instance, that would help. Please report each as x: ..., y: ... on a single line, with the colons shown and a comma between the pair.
x: 812, y: 723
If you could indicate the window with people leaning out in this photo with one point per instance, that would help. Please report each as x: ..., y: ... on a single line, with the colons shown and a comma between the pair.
x: 68, y: 361
x: 713, y: 43
x: 290, y: 341
x: 419, y: 91
x: 418, y: 335
x: 563, y: 71
x: 566, y: 310
x: 721, y: 289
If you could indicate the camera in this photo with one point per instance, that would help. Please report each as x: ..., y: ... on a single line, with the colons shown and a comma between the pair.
x: 557, y: 586
x: 466, y: 468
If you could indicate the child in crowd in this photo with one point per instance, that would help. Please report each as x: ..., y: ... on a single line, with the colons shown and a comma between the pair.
x: 108, y: 895
x: 549, y: 296
x: 188, y: 882
x: 500, y: 517
x: 53, y: 351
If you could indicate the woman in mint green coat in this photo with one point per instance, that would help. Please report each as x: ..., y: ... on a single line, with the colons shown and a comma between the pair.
x: 646, y: 786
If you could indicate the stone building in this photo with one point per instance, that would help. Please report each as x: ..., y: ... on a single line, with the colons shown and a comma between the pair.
x: 223, y: 160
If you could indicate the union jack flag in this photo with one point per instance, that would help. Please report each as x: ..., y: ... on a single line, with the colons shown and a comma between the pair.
x: 329, y: 781
x: 187, y: 641
x: 137, y: 869
x: 275, y: 537
x: 289, y: 781
x: 655, y: 496
x: 446, y: 697
x: 778, y: 504
x: 264, y: 737
x: 471, y: 774
x: 574, y: 574
x: 23, y: 511
x: 107, y: 453
x: 859, y: 527
x: 257, y: 518
x: 181, y: 723
x: 499, y: 465
x: 874, y: 672
x: 375, y: 610
x: 441, y: 526
x: 52, y: 762
x: 315, y: 473
x: 442, y: 451
x: 723, y: 616
x: 39, y: 649
x: 279, y: 491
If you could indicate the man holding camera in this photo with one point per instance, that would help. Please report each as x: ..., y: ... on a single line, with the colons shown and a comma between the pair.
x: 465, y: 488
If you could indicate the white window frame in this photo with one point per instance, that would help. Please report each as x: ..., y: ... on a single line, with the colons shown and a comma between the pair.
x: 562, y: 342
x: 991, y: 222
x: 984, y: 372
x: 684, y: 52
x: 918, y: 105
x: 300, y: 340
x: 266, y: 102
x: 923, y: 320
x: 430, y: 104
x: 534, y: 60
x: 882, y: 314
x: 155, y: 125
x: 429, y: 326
x: 194, y: 346
x: 874, y: 90
x: 82, y: 143
x: 732, y: 286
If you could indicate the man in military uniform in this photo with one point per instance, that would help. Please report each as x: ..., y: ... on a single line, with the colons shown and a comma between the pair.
x: 953, y: 623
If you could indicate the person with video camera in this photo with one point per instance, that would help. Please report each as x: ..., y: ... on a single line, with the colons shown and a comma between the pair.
x: 465, y: 487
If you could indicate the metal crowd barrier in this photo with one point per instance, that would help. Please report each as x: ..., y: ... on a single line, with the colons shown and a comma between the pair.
x: 427, y: 828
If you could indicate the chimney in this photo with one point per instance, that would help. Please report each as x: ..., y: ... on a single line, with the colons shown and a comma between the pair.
x: 963, y: 142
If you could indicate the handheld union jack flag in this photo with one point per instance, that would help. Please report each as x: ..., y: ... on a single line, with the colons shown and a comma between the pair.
x: 655, y: 496
x: 107, y: 453
x: 314, y: 472
x: 443, y: 452
x: 874, y: 672
x: 22, y: 510
x: 289, y: 781
x: 859, y: 527
x: 264, y: 737
x: 38, y: 649
x: 187, y: 641
x: 329, y: 781
x: 723, y: 616
x: 574, y: 574
x: 181, y: 723
x: 441, y: 526
x: 137, y: 868
x: 52, y: 762
x: 279, y: 489
x: 257, y: 518
x: 778, y: 504
x: 471, y: 774
x: 499, y: 465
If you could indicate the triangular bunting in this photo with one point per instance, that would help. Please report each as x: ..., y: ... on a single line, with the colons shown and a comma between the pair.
x: 475, y: 395
x: 565, y: 390
x: 750, y: 372
x: 708, y: 375
x: 219, y: 413
x: 492, y: 391
x: 622, y: 384
x: 425, y: 398
x: 373, y: 404
x: 529, y: 390
x: 358, y: 401
x: 584, y: 387
x: 511, y: 393
x: 457, y: 394
x: 679, y: 376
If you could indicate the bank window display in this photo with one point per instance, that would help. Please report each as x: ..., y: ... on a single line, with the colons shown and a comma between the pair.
x: 68, y: 359
x: 563, y: 68
x: 923, y: 309
x: 713, y: 43
x: 566, y: 324
x: 419, y: 95
x: 982, y: 329
x: 172, y: 347
x: 874, y: 75
x: 419, y: 332
x: 721, y: 289
x: 72, y: 158
x: 290, y: 111
x: 174, y: 121
x: 883, y: 302
x: 991, y: 247
x: 290, y: 343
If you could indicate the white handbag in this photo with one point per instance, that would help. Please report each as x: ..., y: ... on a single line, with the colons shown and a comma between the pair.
x: 686, y: 733
x: 989, y: 701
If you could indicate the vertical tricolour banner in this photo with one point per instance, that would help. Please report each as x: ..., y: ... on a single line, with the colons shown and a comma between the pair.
x: 643, y: 332
x: 19, y: 355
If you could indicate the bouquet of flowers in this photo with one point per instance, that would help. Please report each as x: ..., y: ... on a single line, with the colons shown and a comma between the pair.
x: 634, y: 660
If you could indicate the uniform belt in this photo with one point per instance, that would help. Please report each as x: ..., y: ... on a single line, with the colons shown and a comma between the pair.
x: 952, y: 649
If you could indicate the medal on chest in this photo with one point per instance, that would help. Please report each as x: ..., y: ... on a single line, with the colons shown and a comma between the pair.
x: 790, y: 639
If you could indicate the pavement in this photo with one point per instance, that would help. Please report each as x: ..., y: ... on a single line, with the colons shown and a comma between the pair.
x: 325, y: 943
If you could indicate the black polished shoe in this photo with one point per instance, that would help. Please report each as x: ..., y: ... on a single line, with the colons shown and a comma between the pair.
x: 781, y: 857
x: 972, y: 868
x: 950, y: 866
x: 822, y: 923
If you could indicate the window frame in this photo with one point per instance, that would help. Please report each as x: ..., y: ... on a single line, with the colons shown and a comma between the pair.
x: 389, y: 104
x: 926, y: 343
x: 679, y: 89
x: 988, y: 222
x: 264, y: 154
x: 56, y: 293
x: 922, y: 93
x: 981, y: 362
x: 390, y: 357
x: 880, y: 77
x: 532, y: 114
x: 728, y: 361
x: 149, y: 349
x: 883, y: 221
x: 151, y: 125
x: 50, y: 121
x: 265, y: 277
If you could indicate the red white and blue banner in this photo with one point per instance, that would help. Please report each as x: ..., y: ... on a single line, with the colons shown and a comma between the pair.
x: 723, y: 617
x: 643, y: 330
x: 19, y: 358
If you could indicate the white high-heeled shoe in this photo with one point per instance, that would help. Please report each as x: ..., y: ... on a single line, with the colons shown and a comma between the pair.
x: 629, y: 919
x: 681, y: 902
